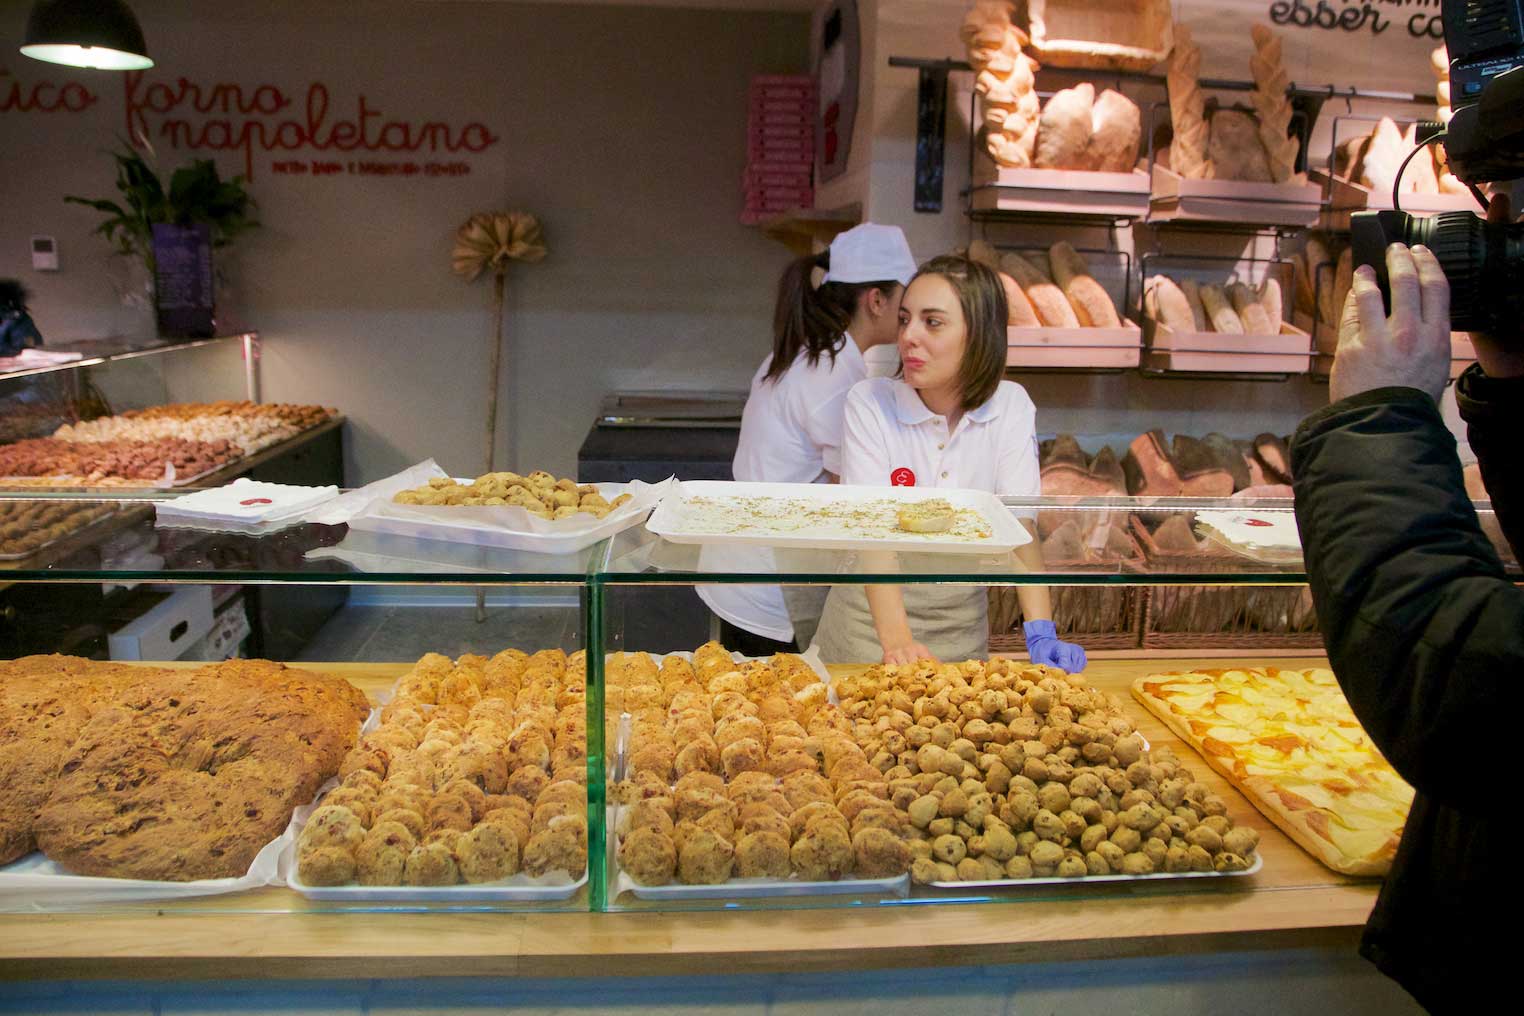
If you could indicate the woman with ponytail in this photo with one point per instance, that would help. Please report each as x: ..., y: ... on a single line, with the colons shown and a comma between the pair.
x: 791, y: 429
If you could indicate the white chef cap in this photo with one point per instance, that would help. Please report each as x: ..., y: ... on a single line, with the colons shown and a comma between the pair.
x: 870, y: 253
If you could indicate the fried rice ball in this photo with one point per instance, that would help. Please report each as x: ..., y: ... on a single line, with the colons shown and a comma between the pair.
x: 879, y: 853
x: 748, y: 782
x: 361, y: 802
x: 701, y: 755
x: 481, y: 765
x: 449, y: 812
x: 769, y: 798
x: 759, y: 818
x: 882, y: 817
x: 645, y: 815
x: 332, y: 825
x: 648, y: 856
x: 382, y: 857
x: 742, y: 756
x: 813, y: 813
x: 802, y: 787
x: 783, y: 763
x: 515, y: 822
x: 696, y: 781
x: 737, y: 728
x: 487, y: 853
x: 431, y: 864
x: 694, y: 802
x: 363, y: 779
x: 526, y: 782
x: 705, y: 858
x: 823, y: 853
x: 762, y: 854
x: 857, y: 801
x: 560, y: 846
x: 545, y: 813
x: 364, y: 758
x: 408, y: 819
x: 326, y: 865
x: 567, y: 791
x: 470, y: 793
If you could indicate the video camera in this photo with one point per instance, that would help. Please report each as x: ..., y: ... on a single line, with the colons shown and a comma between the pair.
x: 1484, y: 142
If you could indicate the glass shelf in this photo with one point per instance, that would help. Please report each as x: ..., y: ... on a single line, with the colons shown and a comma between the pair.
x: 95, y: 352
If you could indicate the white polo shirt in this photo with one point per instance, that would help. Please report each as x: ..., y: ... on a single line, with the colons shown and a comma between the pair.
x: 791, y: 432
x: 892, y: 439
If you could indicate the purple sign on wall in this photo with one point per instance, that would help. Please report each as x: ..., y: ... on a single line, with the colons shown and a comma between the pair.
x: 183, y: 287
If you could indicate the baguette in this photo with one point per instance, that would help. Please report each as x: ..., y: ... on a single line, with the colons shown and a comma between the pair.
x: 1272, y: 105
x: 1220, y: 311
x: 1250, y: 313
x: 1019, y: 310
x: 1271, y: 300
x: 1192, y: 293
x: 1168, y: 305
x: 1092, y: 304
x: 1047, y: 299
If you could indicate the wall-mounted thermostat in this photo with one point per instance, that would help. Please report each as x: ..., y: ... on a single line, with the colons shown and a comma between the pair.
x: 44, y: 254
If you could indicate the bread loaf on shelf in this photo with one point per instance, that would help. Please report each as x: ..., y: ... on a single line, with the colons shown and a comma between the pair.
x: 1187, y: 108
x: 1092, y: 304
x: 1047, y: 299
x: 1192, y: 293
x: 1235, y: 148
x: 1116, y: 131
x: 1220, y: 312
x: 1063, y: 133
x: 1166, y: 303
x: 1247, y: 306
x: 1019, y: 310
x: 1272, y: 105
x: 1271, y: 300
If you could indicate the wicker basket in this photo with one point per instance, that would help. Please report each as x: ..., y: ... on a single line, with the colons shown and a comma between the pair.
x: 1250, y: 618
x: 1095, y: 617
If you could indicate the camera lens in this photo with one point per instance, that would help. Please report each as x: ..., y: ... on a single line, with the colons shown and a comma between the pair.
x: 1484, y: 263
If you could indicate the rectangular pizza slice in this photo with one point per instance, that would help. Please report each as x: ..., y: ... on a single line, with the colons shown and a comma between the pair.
x: 1288, y: 741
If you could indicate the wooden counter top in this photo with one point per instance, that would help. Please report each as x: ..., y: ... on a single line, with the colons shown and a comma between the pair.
x: 1293, y: 902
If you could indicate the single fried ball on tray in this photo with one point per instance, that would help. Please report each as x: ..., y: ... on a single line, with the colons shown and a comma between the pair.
x: 431, y: 864
x: 488, y: 853
x: 879, y: 853
x: 648, y: 856
x: 823, y: 853
x: 326, y: 865
x: 762, y: 854
x: 706, y: 858
x: 382, y: 858
x: 332, y: 826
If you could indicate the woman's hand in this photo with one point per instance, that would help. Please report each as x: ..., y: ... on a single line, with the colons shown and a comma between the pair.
x: 907, y: 652
x: 1045, y: 647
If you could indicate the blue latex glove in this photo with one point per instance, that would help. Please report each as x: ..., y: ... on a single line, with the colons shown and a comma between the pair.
x: 1044, y: 646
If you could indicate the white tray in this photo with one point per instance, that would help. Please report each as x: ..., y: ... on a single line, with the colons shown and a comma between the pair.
x: 520, y: 888
x: 762, y: 888
x: 1159, y: 876
x: 673, y: 519
x: 511, y: 528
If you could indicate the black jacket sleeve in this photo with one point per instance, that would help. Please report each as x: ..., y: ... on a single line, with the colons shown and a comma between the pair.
x: 1494, y: 412
x: 1424, y: 631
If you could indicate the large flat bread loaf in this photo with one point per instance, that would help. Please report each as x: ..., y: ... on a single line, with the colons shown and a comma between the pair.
x: 1289, y: 742
x: 1047, y: 299
x: 171, y: 775
x: 1063, y: 134
x: 1116, y: 131
x: 1235, y: 149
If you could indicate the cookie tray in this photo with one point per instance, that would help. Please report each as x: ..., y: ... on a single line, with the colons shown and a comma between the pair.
x: 520, y: 888
x: 673, y: 520
x: 763, y: 888
x: 1162, y: 876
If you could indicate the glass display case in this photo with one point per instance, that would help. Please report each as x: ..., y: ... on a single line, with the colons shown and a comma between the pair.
x: 821, y: 782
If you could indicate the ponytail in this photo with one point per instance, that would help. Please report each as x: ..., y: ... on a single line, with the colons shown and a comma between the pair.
x: 813, y: 320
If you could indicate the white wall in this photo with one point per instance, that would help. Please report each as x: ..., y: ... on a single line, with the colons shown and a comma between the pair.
x: 622, y: 128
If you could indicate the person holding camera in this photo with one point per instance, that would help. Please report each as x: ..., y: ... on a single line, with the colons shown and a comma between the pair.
x: 1424, y: 630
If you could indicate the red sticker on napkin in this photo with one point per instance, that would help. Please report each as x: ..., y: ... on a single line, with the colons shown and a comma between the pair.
x: 255, y: 500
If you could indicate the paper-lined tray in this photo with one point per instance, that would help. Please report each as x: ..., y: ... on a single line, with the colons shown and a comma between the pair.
x: 509, y: 527
x: 817, y: 516
x: 36, y: 883
x: 1158, y: 876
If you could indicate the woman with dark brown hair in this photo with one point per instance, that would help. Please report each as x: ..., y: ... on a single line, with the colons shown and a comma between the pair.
x: 948, y: 420
x: 791, y: 427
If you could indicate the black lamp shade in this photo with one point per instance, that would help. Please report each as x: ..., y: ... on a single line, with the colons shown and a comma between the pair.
x: 86, y: 33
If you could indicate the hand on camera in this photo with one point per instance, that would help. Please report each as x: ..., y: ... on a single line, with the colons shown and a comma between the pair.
x: 1408, y: 349
x: 1045, y: 647
x: 1493, y: 352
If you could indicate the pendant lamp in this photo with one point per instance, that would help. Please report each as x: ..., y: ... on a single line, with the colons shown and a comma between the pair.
x: 86, y: 33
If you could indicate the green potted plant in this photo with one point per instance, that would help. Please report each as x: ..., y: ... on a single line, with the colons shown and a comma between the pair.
x: 173, y: 231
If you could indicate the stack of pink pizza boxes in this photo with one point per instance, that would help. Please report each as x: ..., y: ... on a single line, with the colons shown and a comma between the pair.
x: 780, y: 149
